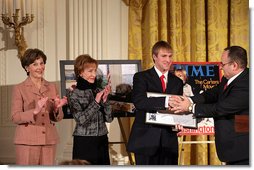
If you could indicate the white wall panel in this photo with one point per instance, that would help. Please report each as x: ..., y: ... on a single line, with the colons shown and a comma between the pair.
x: 96, y: 27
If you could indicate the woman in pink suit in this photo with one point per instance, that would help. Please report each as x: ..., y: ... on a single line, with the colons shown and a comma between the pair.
x: 36, y: 107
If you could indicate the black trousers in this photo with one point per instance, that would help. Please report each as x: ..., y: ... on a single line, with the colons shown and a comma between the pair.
x: 162, y: 157
x: 91, y: 148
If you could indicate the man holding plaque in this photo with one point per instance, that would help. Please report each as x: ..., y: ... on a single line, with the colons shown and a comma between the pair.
x: 228, y: 104
x: 154, y: 144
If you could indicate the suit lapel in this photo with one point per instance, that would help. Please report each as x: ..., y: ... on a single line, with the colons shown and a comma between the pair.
x: 30, y: 85
x: 44, y: 87
x: 223, y: 83
x: 170, y: 83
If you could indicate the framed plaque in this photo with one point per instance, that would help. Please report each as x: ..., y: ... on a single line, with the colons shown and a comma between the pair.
x: 186, y: 120
x: 166, y: 117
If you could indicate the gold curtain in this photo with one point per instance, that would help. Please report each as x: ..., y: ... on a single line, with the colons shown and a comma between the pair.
x: 198, y: 31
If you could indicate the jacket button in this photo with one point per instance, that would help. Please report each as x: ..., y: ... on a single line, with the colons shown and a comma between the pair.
x: 42, y: 115
x: 43, y: 124
x: 43, y: 132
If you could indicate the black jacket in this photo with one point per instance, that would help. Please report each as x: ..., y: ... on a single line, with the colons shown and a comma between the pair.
x: 146, y: 138
x: 223, y: 105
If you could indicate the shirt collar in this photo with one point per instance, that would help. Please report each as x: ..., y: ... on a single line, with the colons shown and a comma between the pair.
x: 160, y: 73
x: 233, y: 78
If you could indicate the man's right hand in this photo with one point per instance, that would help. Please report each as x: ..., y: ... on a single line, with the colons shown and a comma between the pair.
x: 180, y: 104
x: 174, y: 101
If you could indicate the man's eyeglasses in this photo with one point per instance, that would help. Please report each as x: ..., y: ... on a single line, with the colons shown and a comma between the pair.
x: 223, y: 64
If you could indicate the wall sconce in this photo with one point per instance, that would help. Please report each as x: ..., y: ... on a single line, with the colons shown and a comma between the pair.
x: 16, y: 24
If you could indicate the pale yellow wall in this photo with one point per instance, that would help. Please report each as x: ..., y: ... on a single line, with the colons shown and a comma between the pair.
x: 63, y: 29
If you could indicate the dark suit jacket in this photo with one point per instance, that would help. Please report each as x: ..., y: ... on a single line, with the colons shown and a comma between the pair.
x: 223, y: 105
x: 146, y: 138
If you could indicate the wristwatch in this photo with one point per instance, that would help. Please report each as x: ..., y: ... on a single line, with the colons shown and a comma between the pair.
x: 190, y: 107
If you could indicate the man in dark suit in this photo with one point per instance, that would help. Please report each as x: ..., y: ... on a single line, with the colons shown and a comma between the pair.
x: 154, y: 144
x: 226, y: 103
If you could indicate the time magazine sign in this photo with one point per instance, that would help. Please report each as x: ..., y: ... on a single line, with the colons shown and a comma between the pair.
x: 198, y: 77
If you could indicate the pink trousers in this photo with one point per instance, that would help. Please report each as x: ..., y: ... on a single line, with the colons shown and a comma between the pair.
x: 35, y: 155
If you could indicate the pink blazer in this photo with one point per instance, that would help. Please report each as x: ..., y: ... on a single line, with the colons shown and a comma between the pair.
x: 38, y: 130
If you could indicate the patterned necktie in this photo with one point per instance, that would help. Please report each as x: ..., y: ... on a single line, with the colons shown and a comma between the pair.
x: 163, y: 83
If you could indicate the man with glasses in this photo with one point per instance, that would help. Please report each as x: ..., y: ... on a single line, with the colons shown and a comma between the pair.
x: 228, y: 104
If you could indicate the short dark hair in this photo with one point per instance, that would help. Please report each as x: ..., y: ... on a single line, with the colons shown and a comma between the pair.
x: 30, y: 56
x: 81, y: 62
x: 238, y: 55
x: 160, y: 44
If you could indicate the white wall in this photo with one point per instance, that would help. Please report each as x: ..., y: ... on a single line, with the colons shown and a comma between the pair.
x: 63, y: 29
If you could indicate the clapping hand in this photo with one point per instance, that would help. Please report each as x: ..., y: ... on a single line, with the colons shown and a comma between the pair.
x: 39, y: 105
x: 58, y: 102
x: 99, y: 96
x: 103, y: 95
x: 107, y: 91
